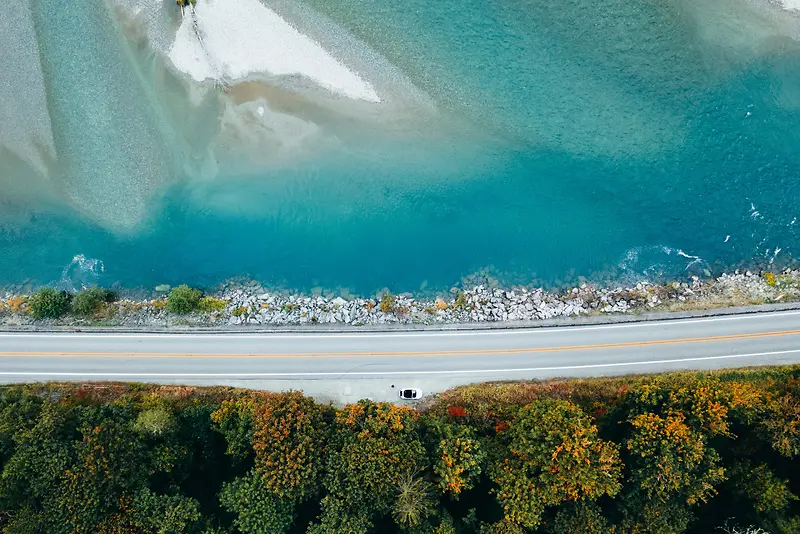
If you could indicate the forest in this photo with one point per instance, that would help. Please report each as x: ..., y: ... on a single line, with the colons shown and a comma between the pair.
x: 660, y: 454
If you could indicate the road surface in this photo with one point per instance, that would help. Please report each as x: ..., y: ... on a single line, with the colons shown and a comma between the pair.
x: 346, y: 366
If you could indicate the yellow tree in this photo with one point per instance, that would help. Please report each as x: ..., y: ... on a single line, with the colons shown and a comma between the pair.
x: 554, y: 456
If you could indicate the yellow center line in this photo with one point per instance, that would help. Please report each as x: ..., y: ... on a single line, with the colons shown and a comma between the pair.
x: 522, y: 350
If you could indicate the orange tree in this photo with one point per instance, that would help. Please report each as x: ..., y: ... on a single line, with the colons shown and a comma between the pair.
x: 286, y: 433
x: 554, y: 456
x: 290, y: 432
x: 456, y: 455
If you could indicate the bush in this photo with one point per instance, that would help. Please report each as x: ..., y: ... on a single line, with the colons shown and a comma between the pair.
x: 387, y: 303
x: 48, y: 303
x: 88, y: 301
x: 211, y: 304
x: 183, y: 299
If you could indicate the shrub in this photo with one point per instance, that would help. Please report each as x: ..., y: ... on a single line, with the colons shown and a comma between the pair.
x: 387, y: 303
x: 183, y: 299
x: 88, y: 301
x: 17, y: 304
x: 211, y: 304
x: 48, y: 303
x: 770, y: 279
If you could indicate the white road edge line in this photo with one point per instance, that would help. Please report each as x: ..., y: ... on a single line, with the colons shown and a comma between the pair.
x: 395, y: 373
x: 510, y: 331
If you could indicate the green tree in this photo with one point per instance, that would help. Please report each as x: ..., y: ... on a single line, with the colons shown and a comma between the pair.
x: 86, y: 460
x: 19, y: 412
x: 339, y: 518
x: 258, y: 510
x: 165, y: 514
x: 234, y: 420
x: 781, y: 425
x: 414, y: 502
x: 554, y: 456
x: 183, y: 299
x: 373, y: 447
x: 155, y: 421
x: 580, y: 518
x: 48, y: 303
x: 761, y: 487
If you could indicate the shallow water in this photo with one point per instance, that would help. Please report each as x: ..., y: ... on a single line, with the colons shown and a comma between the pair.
x: 602, y: 139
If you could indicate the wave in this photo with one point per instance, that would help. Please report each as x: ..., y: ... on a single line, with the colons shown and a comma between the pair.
x: 80, y: 273
x: 657, y: 262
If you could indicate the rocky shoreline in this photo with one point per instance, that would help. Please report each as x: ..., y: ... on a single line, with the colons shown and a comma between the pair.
x: 247, y: 304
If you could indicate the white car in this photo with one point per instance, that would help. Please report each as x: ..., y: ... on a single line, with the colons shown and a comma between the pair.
x: 410, y: 394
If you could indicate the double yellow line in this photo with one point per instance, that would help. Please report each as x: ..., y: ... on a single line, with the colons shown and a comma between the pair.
x: 471, y: 352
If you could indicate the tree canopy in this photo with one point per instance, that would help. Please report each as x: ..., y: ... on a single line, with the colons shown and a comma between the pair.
x: 673, y: 454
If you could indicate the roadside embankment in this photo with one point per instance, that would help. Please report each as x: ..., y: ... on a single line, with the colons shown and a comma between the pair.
x: 250, y: 304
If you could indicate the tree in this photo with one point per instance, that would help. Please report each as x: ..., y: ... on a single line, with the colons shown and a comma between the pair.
x: 414, y: 502
x: 456, y: 454
x: 580, y: 518
x: 290, y: 432
x: 781, y: 425
x: 339, y: 518
x: 671, y: 458
x: 760, y: 486
x: 18, y: 414
x: 86, y: 460
x: 183, y: 299
x: 554, y: 456
x: 234, y: 420
x: 258, y: 510
x: 155, y: 421
x: 672, y: 468
x: 373, y: 447
x: 48, y: 303
x: 165, y: 514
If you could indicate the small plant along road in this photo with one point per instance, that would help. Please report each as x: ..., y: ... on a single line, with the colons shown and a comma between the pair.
x: 374, y: 363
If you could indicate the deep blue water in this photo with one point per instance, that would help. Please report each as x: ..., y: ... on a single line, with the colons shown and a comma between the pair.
x: 592, y: 139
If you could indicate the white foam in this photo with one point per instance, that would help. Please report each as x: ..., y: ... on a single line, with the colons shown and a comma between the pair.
x: 244, y: 37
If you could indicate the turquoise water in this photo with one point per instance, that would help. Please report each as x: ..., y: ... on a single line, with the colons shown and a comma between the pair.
x: 611, y: 140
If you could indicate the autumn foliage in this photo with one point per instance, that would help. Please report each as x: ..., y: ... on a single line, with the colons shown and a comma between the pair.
x: 670, y: 454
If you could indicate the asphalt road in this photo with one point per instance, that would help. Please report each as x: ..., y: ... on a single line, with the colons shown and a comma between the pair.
x: 345, y: 366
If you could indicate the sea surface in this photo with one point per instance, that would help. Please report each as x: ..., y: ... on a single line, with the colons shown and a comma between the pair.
x: 527, y: 140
